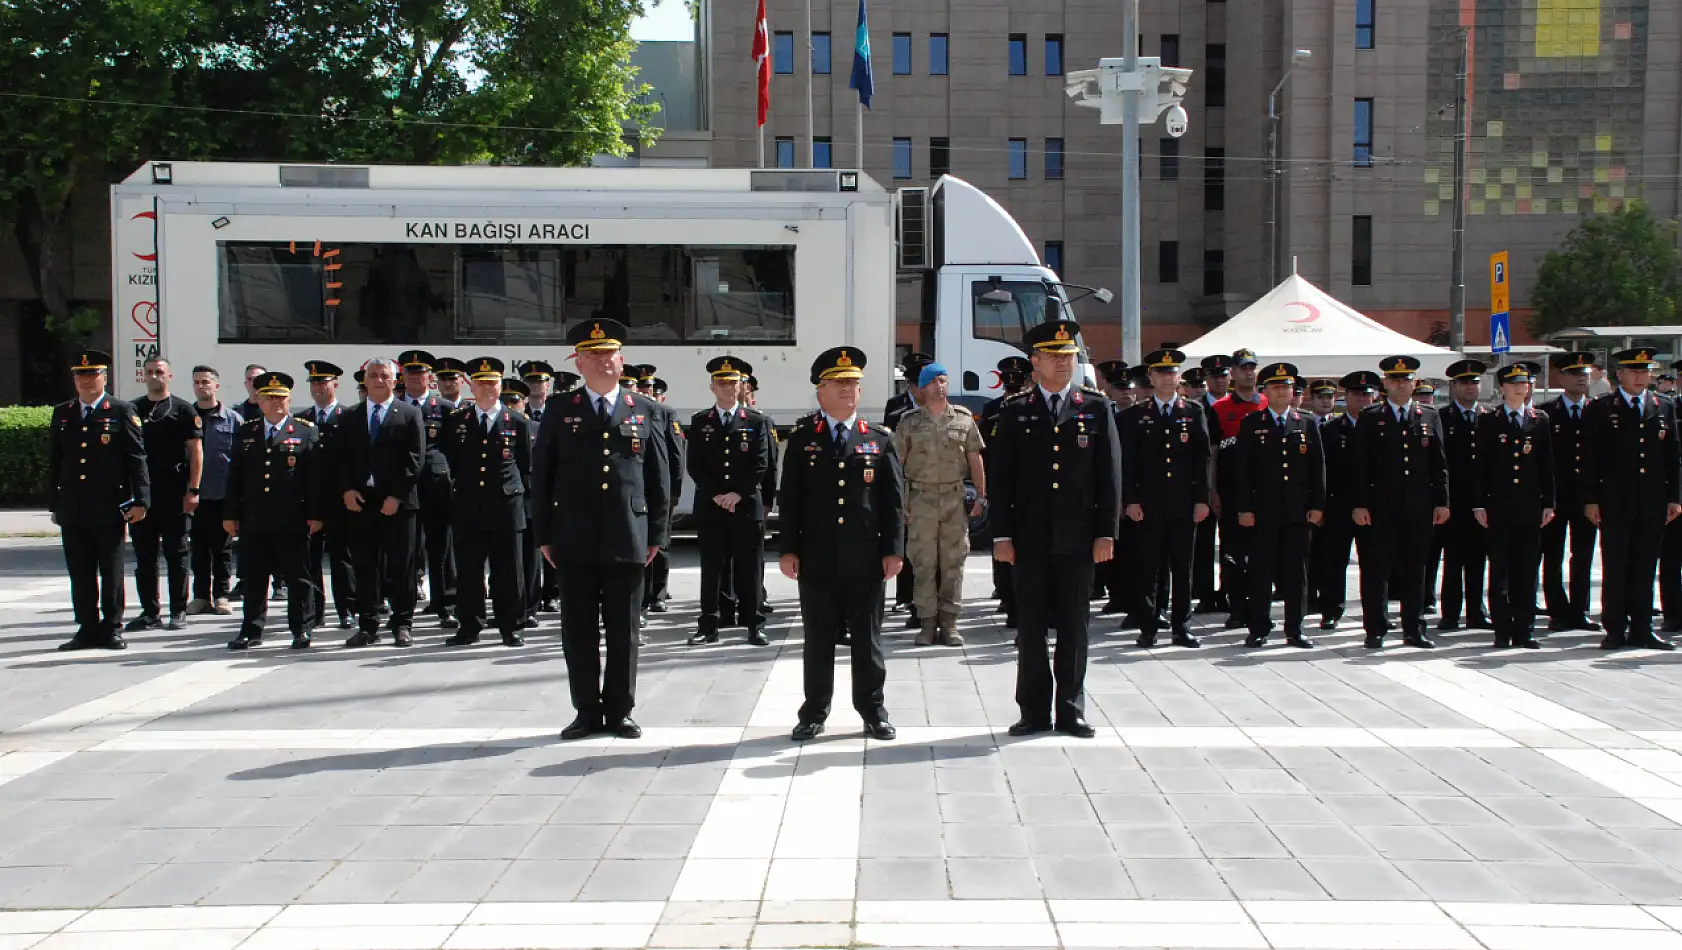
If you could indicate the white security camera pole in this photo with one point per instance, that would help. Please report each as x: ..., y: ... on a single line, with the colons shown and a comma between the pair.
x: 1131, y: 91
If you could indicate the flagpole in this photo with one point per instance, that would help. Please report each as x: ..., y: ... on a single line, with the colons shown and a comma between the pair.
x: 762, y: 146
x: 860, y: 109
x: 811, y: 76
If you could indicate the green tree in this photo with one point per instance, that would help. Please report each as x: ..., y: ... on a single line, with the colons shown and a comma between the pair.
x: 1614, y: 269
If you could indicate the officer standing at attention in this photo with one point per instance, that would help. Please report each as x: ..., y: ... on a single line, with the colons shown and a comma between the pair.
x: 276, y: 493
x: 1056, y: 506
x: 767, y: 488
x: 1330, y: 558
x: 1013, y: 378
x: 434, y: 520
x: 333, y: 540
x: 1111, y: 583
x: 1216, y: 377
x: 175, y: 461
x: 1322, y: 404
x: 513, y: 397
x: 489, y: 449
x: 380, y: 455
x: 1513, y: 490
x: 543, y: 588
x: 939, y: 444
x: 729, y: 454
x: 842, y: 541
x: 96, y: 464
x: 1279, y: 488
x: 1462, y: 539
x: 601, y: 528
x: 903, y: 402
x: 451, y: 375
x: 1165, y: 494
x: 654, y: 593
x: 1568, y: 610
x: 1399, y: 490
x: 1632, y: 489
x: 1670, y: 551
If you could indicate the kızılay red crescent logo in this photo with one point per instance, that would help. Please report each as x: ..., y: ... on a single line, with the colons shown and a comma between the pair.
x: 151, y: 216
x: 1313, y: 312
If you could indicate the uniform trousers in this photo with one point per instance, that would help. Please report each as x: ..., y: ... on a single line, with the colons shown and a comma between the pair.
x: 383, y: 549
x: 1234, y: 561
x: 937, y: 541
x: 1462, y: 540
x: 1514, y: 546
x: 599, y: 601
x: 1203, y: 560
x: 332, y: 543
x: 1166, y: 545
x: 1670, y: 575
x: 1329, y: 562
x: 1122, y: 575
x: 1395, y: 541
x: 434, y: 537
x: 477, y: 543
x: 832, y: 602
x: 654, y: 584
x: 283, y: 556
x: 1575, y: 603
x: 163, y: 532
x: 212, y: 552
x: 1278, y: 555
x: 534, y: 572
x: 94, y: 556
x: 733, y: 545
x: 1052, y: 591
x: 1630, y: 542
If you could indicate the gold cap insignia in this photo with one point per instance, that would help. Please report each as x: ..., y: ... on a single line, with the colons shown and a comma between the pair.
x: 843, y: 359
x: 596, y: 332
x: 1062, y: 334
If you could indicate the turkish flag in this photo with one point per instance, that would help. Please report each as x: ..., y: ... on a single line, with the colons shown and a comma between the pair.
x: 762, y: 57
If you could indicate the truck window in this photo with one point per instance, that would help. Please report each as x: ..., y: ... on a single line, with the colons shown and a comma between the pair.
x: 997, y: 318
x: 501, y: 294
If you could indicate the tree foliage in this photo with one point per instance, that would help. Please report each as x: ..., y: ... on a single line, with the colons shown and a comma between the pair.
x: 1614, y: 269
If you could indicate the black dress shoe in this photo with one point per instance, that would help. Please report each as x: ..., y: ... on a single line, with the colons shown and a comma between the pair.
x: 1331, y: 622
x: 881, y: 730
x: 462, y: 639
x: 300, y: 643
x: 806, y: 730
x: 1389, y: 625
x: 625, y: 728
x: 347, y: 622
x: 912, y: 621
x: 1183, y: 639
x: 705, y: 636
x: 78, y: 642
x: 1447, y: 626
x: 1234, y: 622
x: 1561, y: 624
x: 362, y: 638
x: 1651, y: 642
x: 1528, y: 643
x: 1256, y: 640
x: 1419, y: 641
x: 1146, y: 641
x: 142, y: 622
x: 1029, y: 727
x: 758, y: 638
x: 1374, y: 642
x: 244, y: 642
x: 1206, y: 607
x: 177, y: 621
x: 513, y: 640
x: 114, y: 641
x: 447, y: 622
x: 1479, y: 623
x: 1300, y: 641
x: 402, y: 638
x: 1613, y: 641
x: 1584, y: 623
x: 657, y: 607
x: 530, y: 623
x: 581, y: 728
x: 1077, y: 727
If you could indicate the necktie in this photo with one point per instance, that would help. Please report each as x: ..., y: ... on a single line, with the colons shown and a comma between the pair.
x: 86, y: 412
x: 602, y: 412
x: 1513, y: 417
x: 1056, y: 402
x: 841, y: 435
x: 485, y: 424
x: 374, y: 423
x: 1575, y: 417
x: 1167, y: 410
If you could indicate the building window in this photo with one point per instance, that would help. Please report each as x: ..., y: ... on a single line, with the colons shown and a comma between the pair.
x: 1363, y: 132
x: 1360, y: 257
x: 1053, y: 158
x: 1019, y: 158
x: 1214, y: 179
x: 1170, y: 49
x: 940, y: 157
x: 782, y: 53
x: 1054, y: 54
x: 1214, y: 272
x: 822, y: 152
x: 1168, y: 262
x: 1019, y: 54
x: 820, y: 54
x: 785, y: 151
x: 937, y: 54
x: 1168, y: 160
x: 1214, y: 69
x: 1054, y: 257
x: 902, y: 158
x: 1363, y: 24
x: 902, y: 54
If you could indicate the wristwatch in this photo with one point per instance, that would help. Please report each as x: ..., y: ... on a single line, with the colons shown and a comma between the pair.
x: 193, y: 491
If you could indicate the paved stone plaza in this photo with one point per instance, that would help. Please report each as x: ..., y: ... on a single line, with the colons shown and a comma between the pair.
x: 180, y: 796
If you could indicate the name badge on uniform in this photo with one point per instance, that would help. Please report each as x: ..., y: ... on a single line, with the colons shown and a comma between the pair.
x: 1526, y: 446
x: 636, y: 446
x: 1185, y: 437
x: 1302, y: 448
x: 1082, y: 440
x: 869, y: 475
x: 105, y: 438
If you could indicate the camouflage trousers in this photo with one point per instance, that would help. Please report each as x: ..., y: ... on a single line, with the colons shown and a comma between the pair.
x: 936, y: 543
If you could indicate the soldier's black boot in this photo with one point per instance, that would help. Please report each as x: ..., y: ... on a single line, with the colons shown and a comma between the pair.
x: 1183, y: 638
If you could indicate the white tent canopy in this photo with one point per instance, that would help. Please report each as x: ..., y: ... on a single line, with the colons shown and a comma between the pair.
x: 1299, y: 323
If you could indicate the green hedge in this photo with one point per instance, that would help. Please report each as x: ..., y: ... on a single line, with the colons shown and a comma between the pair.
x: 23, y: 456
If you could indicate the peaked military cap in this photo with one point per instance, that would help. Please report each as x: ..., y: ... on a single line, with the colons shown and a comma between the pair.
x: 91, y: 361
x: 416, y: 359
x: 841, y: 362
x: 1165, y: 359
x: 645, y: 372
x: 514, y: 389
x: 564, y: 380
x: 1139, y: 375
x: 1466, y: 369
x: 1399, y: 366
x: 1053, y: 336
x: 1364, y: 380
x: 727, y: 368
x: 1640, y: 357
x: 485, y: 367
x: 536, y: 369
x: 1520, y: 372
x: 600, y: 333
x: 273, y: 384
x: 913, y: 362
x: 449, y: 367
x: 1323, y: 387
x: 1578, y: 362
x: 1196, y: 376
x: 321, y: 370
x: 1278, y: 373
x: 1114, y: 372
x: 1425, y: 388
x: 1216, y: 365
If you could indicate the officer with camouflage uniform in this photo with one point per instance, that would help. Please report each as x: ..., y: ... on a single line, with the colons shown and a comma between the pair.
x: 938, y: 443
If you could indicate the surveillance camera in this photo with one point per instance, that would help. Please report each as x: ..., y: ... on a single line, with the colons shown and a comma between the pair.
x: 1081, y: 82
x: 1175, y: 121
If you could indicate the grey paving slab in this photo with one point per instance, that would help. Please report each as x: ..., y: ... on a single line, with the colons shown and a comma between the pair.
x: 270, y: 882
x: 1176, y: 879
x: 1411, y: 842
x: 1084, y: 878
x: 447, y: 881
x: 1459, y: 881
x: 533, y: 879
x: 1153, y: 841
x: 632, y: 880
x: 897, y: 878
x: 1362, y: 880
x: 1322, y: 841
x: 173, y: 885
x: 569, y: 843
x: 992, y: 878
x: 1554, y: 882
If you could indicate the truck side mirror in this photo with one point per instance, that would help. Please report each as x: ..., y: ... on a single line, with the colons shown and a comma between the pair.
x: 972, y: 382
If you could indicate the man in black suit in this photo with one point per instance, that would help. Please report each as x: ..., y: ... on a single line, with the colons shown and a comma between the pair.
x: 96, y: 465
x: 542, y: 586
x: 1056, y: 493
x: 1279, y: 486
x: 1013, y: 377
x: 1399, y: 492
x: 1568, y: 605
x: 1513, y: 499
x: 1461, y: 540
x: 601, y: 527
x: 332, y: 541
x: 432, y: 537
x: 653, y: 388
x: 489, y: 449
x: 384, y: 442
x: 1632, y: 489
x: 729, y: 453
x: 1329, y: 559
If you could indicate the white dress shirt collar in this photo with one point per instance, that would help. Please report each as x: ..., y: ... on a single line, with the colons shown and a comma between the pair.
x: 851, y: 422
x: 1046, y: 394
x: 596, y: 398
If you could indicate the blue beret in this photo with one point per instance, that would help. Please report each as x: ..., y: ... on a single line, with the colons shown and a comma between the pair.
x: 929, y: 373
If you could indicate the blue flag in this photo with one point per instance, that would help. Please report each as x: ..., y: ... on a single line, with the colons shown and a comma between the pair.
x: 862, y: 80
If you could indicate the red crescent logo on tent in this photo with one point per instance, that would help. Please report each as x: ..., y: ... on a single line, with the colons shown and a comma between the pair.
x: 1313, y: 312
x: 153, y: 216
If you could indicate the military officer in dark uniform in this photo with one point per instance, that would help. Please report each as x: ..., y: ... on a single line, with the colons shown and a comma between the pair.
x: 332, y: 541
x: 379, y: 460
x: 654, y: 595
x: 1670, y: 551
x: 1211, y: 370
x: 515, y: 395
x: 1461, y: 540
x: 1279, y: 486
x: 96, y: 465
x: 489, y: 449
x: 843, y: 535
x: 729, y: 452
x: 1513, y: 499
x: 1632, y: 488
x: 1013, y: 378
x: 1399, y: 491
x: 1056, y: 496
x: 601, y: 528
x: 276, y: 493
x: 1165, y: 493
x: 1568, y: 610
x: 1109, y: 582
x: 543, y: 382
x: 434, y: 519
x: 1336, y: 535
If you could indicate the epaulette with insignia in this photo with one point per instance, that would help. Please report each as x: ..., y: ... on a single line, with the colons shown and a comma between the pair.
x: 963, y: 409
x: 1093, y: 390
x: 304, y: 420
x: 1018, y: 397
